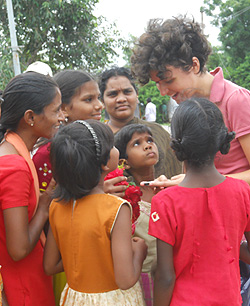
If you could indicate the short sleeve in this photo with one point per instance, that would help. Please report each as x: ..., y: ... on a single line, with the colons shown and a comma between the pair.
x: 162, y: 222
x: 238, y: 112
x: 16, y: 184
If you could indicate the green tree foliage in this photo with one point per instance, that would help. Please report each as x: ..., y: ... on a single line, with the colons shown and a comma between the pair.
x: 233, y: 18
x: 63, y: 33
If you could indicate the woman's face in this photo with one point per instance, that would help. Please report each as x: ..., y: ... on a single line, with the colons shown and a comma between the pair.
x: 85, y: 104
x: 48, y: 122
x: 177, y: 83
x: 120, y: 98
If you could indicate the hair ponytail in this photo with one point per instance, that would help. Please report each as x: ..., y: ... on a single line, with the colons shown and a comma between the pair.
x: 177, y: 146
x: 225, y: 145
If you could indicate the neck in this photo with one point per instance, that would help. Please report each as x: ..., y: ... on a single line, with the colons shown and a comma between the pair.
x: 116, y: 124
x: 205, y: 82
x: 143, y: 174
x: 29, y: 139
x: 202, y: 177
x: 99, y: 187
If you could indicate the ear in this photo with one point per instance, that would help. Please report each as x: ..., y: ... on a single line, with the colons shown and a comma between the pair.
x: 196, y: 65
x: 64, y: 108
x: 104, y: 167
x: 123, y: 162
x: 29, y: 117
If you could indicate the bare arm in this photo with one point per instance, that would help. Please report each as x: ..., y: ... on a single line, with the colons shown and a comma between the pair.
x: 165, y: 274
x: 245, y: 249
x: 162, y: 182
x: 22, y: 235
x: 4, y: 299
x: 109, y: 186
x: 52, y: 261
x: 245, y: 144
x: 128, y: 254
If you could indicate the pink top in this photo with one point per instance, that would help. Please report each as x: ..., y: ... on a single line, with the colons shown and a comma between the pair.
x: 205, y: 227
x: 234, y: 103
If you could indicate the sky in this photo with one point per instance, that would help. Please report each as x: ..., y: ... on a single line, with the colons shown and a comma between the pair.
x: 131, y: 16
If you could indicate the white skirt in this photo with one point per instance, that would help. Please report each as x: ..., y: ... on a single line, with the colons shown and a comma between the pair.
x: 130, y: 297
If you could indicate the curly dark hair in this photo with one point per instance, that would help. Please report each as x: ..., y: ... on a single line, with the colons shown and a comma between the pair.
x: 199, y: 132
x: 171, y: 42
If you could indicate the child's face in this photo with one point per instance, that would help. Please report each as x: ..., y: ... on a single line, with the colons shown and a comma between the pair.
x: 141, y: 151
x: 85, y: 104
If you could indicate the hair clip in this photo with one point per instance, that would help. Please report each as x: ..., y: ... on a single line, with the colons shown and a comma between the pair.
x: 1, y: 100
x: 93, y: 134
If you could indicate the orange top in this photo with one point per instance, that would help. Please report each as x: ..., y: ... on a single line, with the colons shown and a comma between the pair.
x: 83, y: 235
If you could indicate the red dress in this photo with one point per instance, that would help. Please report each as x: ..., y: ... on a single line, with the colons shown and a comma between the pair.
x: 205, y: 227
x: 25, y: 282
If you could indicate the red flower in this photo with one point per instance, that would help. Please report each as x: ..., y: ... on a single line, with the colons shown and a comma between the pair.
x: 117, y: 172
x: 132, y: 194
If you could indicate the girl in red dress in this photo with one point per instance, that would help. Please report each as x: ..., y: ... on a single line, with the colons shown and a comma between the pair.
x: 199, y: 224
x: 31, y: 109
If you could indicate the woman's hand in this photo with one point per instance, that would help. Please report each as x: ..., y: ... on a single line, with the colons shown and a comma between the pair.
x: 163, y: 182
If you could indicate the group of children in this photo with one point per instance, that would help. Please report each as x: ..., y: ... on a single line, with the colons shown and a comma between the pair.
x: 198, y: 225
x: 186, y: 246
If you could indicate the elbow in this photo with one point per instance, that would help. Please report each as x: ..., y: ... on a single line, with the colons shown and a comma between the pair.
x: 48, y: 269
x: 126, y: 283
x: 167, y: 281
x: 17, y: 255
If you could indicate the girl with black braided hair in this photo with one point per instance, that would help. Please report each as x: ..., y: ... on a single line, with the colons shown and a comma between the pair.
x: 199, y: 224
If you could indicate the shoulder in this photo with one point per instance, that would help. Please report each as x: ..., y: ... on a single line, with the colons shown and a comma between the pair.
x: 237, y: 183
x: 13, y: 163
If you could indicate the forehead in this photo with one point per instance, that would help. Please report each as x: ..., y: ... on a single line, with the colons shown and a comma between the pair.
x: 137, y: 135
x: 118, y: 82
x: 55, y: 103
x: 89, y: 86
x: 170, y: 72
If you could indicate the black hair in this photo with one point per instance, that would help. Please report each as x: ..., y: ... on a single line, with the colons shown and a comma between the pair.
x: 113, y: 72
x: 199, y: 132
x: 76, y: 166
x: 171, y: 42
x: 25, y: 91
x: 70, y: 81
x: 125, y: 135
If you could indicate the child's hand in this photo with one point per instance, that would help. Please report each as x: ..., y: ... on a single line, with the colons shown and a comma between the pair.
x: 139, y: 247
x: 45, y: 197
x: 119, y: 190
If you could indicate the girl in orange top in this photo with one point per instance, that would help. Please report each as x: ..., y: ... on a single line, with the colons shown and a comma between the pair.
x: 90, y: 235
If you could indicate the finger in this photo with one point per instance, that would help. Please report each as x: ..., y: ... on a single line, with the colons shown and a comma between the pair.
x: 118, y: 179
